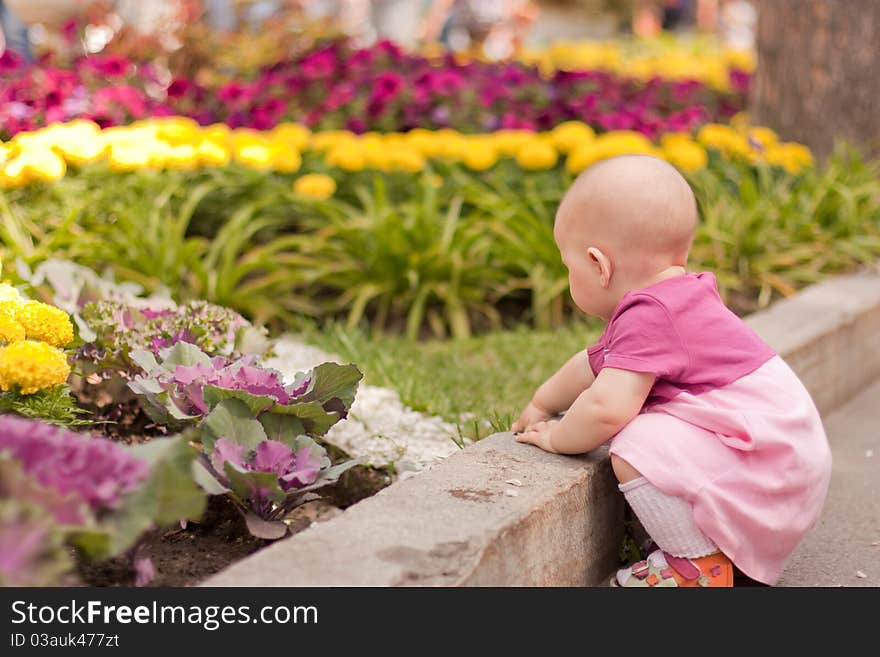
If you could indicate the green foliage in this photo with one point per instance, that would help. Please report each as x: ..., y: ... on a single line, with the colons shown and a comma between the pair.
x: 53, y: 405
x: 766, y: 234
x: 444, y: 252
x: 481, y: 383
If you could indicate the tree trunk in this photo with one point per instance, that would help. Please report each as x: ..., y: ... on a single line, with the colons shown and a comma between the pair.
x: 817, y: 80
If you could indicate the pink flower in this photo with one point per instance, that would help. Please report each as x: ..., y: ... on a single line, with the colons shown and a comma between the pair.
x: 319, y: 64
x: 386, y: 86
x: 232, y: 92
x: 110, y: 66
x: 179, y: 87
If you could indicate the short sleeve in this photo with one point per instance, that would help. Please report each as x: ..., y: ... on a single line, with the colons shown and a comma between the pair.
x: 643, y: 338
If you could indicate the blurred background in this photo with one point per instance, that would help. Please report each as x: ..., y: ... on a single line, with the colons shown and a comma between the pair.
x: 497, y: 28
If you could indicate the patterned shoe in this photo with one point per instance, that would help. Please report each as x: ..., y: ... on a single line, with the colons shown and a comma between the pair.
x: 661, y: 569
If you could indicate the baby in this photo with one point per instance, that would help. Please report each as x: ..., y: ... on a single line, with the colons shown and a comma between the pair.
x: 717, y: 445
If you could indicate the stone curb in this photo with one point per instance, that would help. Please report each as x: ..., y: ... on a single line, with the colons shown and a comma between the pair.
x: 503, y: 514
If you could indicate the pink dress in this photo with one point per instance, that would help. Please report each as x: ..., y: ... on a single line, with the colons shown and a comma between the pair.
x: 727, y: 426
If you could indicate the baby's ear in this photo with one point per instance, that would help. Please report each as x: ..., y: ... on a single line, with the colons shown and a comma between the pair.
x: 603, y: 265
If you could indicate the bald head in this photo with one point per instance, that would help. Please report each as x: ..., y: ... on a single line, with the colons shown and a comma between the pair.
x: 631, y: 205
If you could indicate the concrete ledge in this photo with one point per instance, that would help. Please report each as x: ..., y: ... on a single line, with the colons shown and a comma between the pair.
x: 830, y: 336
x: 462, y: 524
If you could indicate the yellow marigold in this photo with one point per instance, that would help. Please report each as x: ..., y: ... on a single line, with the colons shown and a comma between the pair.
x: 480, y: 157
x: 293, y: 134
x: 45, y: 323
x: 536, y: 155
x: 126, y: 157
x: 406, y: 159
x: 321, y: 141
x: 183, y: 156
x: 285, y: 158
x: 218, y: 132
x: 213, y: 152
x: 13, y: 173
x: 347, y: 156
x: 32, y: 366
x: 686, y: 155
x: 763, y: 137
x: 508, y: 142
x: 315, y: 185
x: 571, y: 134
x: 725, y: 139
x: 253, y: 154
x: 455, y: 147
x: 377, y: 155
x: 425, y: 142
x: 611, y: 144
x: 9, y: 295
x: 791, y: 156
x: 10, y: 330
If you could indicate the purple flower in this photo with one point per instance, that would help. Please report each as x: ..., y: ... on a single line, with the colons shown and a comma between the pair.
x: 95, y: 471
x: 294, y: 469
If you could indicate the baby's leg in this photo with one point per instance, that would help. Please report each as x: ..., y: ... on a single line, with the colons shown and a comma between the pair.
x: 686, y: 556
x: 668, y: 520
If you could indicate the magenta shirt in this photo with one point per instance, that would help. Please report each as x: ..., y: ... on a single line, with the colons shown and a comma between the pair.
x: 679, y: 330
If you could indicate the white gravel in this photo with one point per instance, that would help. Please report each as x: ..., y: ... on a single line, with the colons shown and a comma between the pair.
x: 380, y: 430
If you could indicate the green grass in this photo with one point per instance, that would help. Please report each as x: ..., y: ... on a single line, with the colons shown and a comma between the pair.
x: 479, y: 383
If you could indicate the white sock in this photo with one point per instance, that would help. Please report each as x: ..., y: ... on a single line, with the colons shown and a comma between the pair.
x: 668, y: 520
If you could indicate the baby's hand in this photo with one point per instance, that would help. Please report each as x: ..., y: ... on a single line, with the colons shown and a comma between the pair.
x: 539, y: 435
x: 531, y: 415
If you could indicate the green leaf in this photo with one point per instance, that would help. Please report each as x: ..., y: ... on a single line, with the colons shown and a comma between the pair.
x: 246, y: 484
x: 144, y: 359
x: 314, y: 418
x: 283, y: 428
x: 213, y: 395
x: 171, y: 478
x: 184, y: 353
x: 329, y: 476
x: 206, y: 479
x: 331, y: 380
x: 232, y: 419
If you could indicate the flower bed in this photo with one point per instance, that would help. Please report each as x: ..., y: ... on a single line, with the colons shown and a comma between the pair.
x: 221, y: 425
x: 421, y: 232
x: 378, y: 88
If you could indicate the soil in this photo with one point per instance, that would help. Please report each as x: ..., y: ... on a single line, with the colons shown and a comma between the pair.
x: 186, y: 556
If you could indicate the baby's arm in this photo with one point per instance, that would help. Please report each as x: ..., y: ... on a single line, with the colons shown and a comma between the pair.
x: 558, y: 392
x: 598, y: 413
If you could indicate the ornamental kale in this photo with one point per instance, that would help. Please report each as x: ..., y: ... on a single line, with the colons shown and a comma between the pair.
x: 89, y: 474
x: 103, y: 495
x: 119, y: 328
x: 264, y: 465
x: 255, y: 429
x: 185, y: 385
x: 32, y: 550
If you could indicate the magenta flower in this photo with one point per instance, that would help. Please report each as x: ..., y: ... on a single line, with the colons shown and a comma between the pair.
x: 95, y: 471
x: 179, y: 88
x: 318, y: 65
x: 294, y: 469
x: 232, y: 92
x: 386, y: 86
x: 110, y: 66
